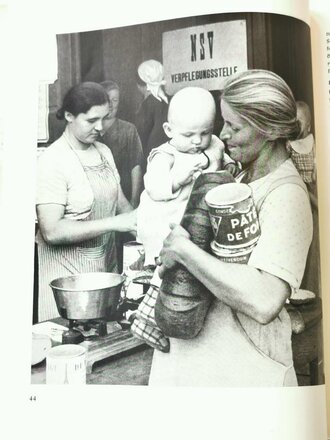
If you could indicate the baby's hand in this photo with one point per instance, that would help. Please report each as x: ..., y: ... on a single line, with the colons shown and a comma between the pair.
x: 184, y: 177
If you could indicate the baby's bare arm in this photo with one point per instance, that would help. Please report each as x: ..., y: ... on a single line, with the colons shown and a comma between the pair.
x: 158, y: 178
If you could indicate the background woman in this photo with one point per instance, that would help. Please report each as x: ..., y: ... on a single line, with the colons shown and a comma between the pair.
x: 78, y: 196
x: 246, y: 338
x: 152, y: 112
x: 123, y: 140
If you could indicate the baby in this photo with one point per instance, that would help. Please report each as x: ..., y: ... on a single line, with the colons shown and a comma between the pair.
x: 172, y: 167
x: 171, y: 170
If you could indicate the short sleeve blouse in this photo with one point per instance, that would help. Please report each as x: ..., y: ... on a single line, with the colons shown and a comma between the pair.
x: 286, y: 227
x: 62, y: 180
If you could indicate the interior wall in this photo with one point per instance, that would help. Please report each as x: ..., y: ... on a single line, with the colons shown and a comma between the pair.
x: 291, y: 51
x: 69, y: 73
x: 274, y: 42
x: 126, y: 48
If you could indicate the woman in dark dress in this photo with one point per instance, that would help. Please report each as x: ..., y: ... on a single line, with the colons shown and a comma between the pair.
x: 152, y: 112
x: 123, y: 140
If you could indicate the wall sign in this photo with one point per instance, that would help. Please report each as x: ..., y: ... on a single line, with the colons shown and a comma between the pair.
x: 204, y: 55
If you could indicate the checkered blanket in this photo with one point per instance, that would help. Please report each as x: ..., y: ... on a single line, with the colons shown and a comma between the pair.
x: 144, y: 325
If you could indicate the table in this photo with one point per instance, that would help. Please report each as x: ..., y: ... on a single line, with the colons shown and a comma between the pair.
x: 133, y: 366
x: 129, y: 368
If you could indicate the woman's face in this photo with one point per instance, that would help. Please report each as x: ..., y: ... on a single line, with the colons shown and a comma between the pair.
x: 244, y: 143
x: 114, y: 102
x: 86, y: 127
x: 142, y: 88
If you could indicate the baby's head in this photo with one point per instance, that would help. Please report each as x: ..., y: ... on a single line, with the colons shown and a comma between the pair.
x: 304, y: 117
x: 190, y: 119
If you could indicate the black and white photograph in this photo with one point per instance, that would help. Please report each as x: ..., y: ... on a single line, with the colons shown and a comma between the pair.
x: 176, y: 231
x: 165, y: 214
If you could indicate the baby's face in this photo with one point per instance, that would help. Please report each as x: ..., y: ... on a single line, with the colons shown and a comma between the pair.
x: 190, y: 137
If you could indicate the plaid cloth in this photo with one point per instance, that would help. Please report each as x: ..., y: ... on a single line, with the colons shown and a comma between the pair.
x: 144, y: 325
x: 305, y: 163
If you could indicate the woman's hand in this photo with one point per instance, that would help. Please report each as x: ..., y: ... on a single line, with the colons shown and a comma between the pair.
x: 174, y: 244
x: 125, y: 222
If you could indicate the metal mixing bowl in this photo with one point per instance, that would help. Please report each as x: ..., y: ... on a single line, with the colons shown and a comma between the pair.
x: 88, y: 296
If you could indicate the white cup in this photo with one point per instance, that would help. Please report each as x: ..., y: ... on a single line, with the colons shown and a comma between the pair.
x: 66, y: 364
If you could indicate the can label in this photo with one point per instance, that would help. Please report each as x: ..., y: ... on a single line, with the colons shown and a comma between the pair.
x: 233, y: 216
x: 240, y: 256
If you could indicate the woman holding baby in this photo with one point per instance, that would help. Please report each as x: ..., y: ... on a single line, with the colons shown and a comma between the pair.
x: 246, y: 337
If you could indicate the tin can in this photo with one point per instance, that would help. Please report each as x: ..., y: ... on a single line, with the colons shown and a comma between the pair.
x: 66, y: 364
x: 133, y: 257
x: 234, y: 219
x: 240, y: 256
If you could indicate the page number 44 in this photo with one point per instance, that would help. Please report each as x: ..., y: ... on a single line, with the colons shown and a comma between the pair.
x: 33, y: 398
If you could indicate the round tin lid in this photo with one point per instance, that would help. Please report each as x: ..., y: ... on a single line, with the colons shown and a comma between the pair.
x: 227, y: 194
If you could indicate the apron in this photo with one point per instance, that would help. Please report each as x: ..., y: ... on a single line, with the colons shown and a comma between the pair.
x: 221, y: 355
x: 94, y: 255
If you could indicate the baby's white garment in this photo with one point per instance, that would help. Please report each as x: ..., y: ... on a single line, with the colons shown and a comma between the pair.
x: 154, y: 217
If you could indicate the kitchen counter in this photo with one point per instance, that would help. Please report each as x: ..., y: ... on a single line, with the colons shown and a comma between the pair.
x: 129, y: 368
x: 132, y: 367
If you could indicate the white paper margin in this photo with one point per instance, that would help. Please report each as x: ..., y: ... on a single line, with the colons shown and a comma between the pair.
x: 88, y: 412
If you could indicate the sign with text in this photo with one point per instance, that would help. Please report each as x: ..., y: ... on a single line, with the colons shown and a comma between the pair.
x: 205, y: 55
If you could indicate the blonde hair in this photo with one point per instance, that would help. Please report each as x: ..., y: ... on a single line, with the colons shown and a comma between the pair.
x: 263, y: 100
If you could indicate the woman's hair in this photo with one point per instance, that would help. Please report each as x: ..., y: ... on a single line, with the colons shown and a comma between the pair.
x: 151, y: 72
x: 81, y: 97
x: 265, y: 101
x: 110, y: 85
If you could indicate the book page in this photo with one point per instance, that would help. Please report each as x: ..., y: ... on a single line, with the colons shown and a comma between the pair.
x: 142, y: 412
x: 320, y: 25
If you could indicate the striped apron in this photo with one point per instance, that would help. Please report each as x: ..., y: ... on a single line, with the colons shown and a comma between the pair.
x: 94, y: 255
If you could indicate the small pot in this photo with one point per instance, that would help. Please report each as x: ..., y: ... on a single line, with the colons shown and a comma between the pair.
x: 88, y: 296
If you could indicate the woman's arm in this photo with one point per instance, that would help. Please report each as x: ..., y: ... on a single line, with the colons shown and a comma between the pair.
x: 126, y: 213
x: 245, y: 289
x: 136, y: 182
x: 57, y: 230
x: 123, y: 205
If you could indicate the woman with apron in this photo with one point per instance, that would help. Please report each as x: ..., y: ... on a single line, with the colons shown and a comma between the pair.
x: 80, y: 203
x: 246, y: 336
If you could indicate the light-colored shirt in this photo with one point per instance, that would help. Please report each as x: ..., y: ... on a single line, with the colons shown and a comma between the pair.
x: 62, y: 180
x: 233, y: 349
